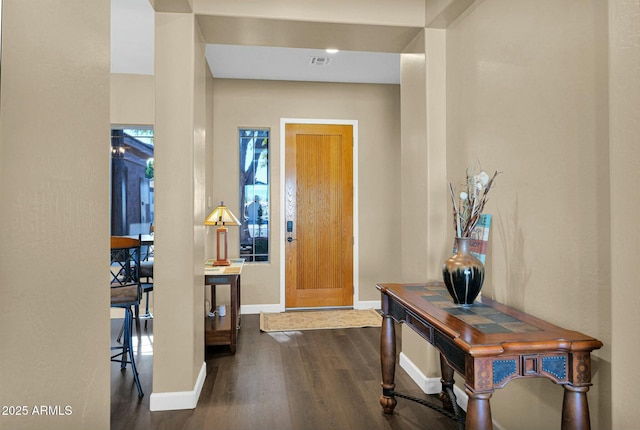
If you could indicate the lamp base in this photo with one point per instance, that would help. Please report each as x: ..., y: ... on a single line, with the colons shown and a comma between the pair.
x: 222, y: 263
x: 221, y: 246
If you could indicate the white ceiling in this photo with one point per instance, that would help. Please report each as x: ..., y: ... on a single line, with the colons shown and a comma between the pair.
x: 297, y: 64
x: 132, y: 29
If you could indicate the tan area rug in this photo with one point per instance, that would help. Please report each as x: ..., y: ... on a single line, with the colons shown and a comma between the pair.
x: 318, y: 320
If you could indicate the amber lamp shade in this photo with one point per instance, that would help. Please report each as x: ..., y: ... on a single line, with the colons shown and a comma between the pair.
x: 222, y: 217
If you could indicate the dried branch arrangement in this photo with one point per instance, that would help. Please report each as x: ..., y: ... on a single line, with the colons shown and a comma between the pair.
x: 469, y: 204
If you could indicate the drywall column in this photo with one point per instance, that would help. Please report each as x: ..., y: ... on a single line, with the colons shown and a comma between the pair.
x: 54, y: 207
x: 413, y: 161
x: 438, y: 216
x: 624, y: 87
x: 424, y: 198
x: 178, y: 359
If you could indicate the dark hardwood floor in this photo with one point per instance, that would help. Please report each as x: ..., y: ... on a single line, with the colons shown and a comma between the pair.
x: 305, y: 380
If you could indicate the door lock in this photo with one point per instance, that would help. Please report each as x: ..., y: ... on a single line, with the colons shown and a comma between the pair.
x: 290, y: 230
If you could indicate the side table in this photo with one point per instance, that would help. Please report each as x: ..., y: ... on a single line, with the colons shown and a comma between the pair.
x: 223, y: 330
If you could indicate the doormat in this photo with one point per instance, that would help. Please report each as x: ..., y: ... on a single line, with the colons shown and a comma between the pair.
x: 319, y: 320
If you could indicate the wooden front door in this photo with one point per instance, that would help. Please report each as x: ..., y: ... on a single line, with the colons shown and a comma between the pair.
x: 319, y: 214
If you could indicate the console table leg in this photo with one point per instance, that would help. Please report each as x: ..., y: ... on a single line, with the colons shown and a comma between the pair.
x: 575, y: 409
x: 446, y: 396
x: 388, y: 364
x: 478, y: 411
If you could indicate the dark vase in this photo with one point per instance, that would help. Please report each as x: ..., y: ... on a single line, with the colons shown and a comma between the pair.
x: 463, y: 274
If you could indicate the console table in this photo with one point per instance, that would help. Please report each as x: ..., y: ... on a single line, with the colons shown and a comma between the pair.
x: 223, y: 330
x: 489, y: 344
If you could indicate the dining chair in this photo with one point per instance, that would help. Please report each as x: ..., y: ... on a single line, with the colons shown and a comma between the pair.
x: 146, y: 281
x: 126, y: 292
x: 146, y: 274
x: 148, y: 247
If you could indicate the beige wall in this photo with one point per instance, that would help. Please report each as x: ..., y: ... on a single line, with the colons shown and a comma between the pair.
x: 240, y: 103
x: 132, y: 99
x: 527, y: 95
x: 54, y: 207
x: 624, y: 101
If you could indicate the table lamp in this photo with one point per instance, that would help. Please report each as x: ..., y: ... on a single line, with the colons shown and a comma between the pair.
x: 222, y: 217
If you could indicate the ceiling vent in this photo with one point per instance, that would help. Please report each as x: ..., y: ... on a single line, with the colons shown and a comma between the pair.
x: 320, y: 61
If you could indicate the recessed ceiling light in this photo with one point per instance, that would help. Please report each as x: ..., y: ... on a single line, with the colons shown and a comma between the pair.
x: 332, y: 51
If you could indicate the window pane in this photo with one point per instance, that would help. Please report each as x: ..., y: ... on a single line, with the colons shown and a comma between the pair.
x: 254, y: 194
x: 132, y: 181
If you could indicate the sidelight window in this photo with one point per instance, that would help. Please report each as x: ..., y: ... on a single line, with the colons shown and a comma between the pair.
x: 254, y: 194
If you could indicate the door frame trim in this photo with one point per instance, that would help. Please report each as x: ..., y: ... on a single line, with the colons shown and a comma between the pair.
x: 283, y: 134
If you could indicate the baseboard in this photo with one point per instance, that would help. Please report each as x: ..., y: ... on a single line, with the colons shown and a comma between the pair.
x: 371, y: 304
x: 179, y: 399
x: 430, y: 385
x: 256, y: 309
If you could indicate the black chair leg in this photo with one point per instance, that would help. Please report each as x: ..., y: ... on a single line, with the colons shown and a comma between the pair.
x: 129, y: 343
x: 146, y: 311
x: 121, y: 333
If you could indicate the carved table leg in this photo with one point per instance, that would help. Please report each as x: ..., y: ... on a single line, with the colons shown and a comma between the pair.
x: 388, y: 364
x: 446, y: 396
x: 478, y: 411
x: 575, y: 409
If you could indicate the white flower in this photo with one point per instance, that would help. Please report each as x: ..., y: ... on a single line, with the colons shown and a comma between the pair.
x: 463, y: 195
x: 481, y: 178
